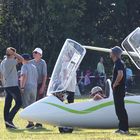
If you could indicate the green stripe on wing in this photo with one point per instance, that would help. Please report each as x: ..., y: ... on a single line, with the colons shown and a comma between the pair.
x: 88, y: 110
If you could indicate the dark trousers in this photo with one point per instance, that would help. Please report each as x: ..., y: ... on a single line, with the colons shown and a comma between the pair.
x: 11, y: 93
x: 70, y: 97
x: 39, y: 96
x: 119, y: 94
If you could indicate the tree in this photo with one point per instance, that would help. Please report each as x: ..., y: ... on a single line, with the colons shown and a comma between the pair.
x: 26, y: 24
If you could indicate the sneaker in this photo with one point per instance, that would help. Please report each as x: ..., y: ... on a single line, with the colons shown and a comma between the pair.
x: 10, y: 125
x: 38, y: 125
x: 30, y: 126
x: 121, y: 132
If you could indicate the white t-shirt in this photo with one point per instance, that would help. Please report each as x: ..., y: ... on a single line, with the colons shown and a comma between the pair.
x: 64, y: 76
x: 72, y: 84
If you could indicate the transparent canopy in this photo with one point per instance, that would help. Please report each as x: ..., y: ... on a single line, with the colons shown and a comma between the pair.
x: 131, y: 45
x: 65, y: 68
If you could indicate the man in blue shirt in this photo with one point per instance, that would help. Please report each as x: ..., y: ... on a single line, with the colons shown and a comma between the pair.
x: 129, y: 79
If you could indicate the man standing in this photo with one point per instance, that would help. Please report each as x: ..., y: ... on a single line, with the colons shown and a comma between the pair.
x: 100, y: 67
x: 28, y: 84
x: 42, y: 75
x: 10, y: 81
x: 118, y: 85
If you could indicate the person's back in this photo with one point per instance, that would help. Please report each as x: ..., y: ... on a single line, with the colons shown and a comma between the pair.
x: 32, y: 74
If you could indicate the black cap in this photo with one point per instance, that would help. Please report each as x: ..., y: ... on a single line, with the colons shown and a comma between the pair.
x: 26, y: 56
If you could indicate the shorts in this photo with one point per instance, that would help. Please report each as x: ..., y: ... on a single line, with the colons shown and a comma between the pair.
x: 29, y: 96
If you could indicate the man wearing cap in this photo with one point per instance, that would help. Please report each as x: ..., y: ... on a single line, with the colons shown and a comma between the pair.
x: 118, y: 85
x: 42, y: 74
x: 10, y: 83
x: 28, y: 83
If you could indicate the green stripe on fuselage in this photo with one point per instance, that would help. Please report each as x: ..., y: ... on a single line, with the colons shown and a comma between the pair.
x: 88, y: 110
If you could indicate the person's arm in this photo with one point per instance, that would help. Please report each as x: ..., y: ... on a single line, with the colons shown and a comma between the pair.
x: 0, y: 76
x: 23, y: 80
x: 43, y: 86
x: 118, y: 79
x: 0, y: 73
x: 19, y: 57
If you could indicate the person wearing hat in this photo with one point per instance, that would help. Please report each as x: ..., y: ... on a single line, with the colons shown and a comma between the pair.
x: 10, y: 83
x: 97, y: 93
x: 42, y: 75
x: 28, y: 83
x: 118, y: 85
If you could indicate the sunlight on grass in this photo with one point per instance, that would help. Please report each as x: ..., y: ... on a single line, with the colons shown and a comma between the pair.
x: 52, y: 133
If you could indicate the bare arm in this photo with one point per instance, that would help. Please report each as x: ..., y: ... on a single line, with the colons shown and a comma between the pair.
x: 23, y: 80
x: 44, y: 82
x: 1, y: 76
x: 19, y: 57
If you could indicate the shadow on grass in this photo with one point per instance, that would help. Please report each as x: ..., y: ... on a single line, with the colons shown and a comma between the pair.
x: 35, y: 131
x: 40, y: 131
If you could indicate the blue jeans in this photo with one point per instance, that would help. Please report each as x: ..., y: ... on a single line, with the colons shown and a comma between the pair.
x: 11, y: 93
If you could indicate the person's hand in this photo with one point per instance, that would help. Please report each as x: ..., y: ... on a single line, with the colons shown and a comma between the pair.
x: 97, y: 97
x: 11, y: 52
x: 115, y: 85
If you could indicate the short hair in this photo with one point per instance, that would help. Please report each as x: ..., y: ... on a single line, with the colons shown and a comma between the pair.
x: 11, y: 48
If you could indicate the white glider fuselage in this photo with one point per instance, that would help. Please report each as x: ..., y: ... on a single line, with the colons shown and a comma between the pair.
x: 89, y: 114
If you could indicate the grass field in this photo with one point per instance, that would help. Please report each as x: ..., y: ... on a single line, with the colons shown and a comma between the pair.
x: 51, y: 133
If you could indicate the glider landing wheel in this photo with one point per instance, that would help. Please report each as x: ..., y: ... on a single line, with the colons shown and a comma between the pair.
x: 65, y: 130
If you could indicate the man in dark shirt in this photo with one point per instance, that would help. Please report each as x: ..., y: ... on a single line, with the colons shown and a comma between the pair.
x: 118, y: 85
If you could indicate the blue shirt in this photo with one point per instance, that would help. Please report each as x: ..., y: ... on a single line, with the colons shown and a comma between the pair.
x: 129, y: 73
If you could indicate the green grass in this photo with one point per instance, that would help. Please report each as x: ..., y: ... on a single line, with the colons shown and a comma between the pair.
x: 52, y: 133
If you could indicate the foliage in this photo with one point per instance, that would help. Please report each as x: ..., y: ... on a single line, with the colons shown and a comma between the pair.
x: 26, y: 24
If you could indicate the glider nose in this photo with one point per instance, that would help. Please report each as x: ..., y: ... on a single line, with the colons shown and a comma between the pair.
x: 40, y: 111
x: 30, y: 113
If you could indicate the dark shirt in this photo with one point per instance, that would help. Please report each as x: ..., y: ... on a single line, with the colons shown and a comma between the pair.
x: 119, y: 65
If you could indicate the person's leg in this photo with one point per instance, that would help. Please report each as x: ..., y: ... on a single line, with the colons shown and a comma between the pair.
x: 26, y: 100
x: 33, y: 96
x: 38, y: 97
x: 7, y: 105
x: 15, y: 93
x: 120, y: 110
x: 26, y: 97
x: 70, y: 97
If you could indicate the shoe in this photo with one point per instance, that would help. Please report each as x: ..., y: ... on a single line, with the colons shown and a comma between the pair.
x: 10, y: 125
x: 38, y: 125
x: 121, y: 132
x: 30, y: 126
